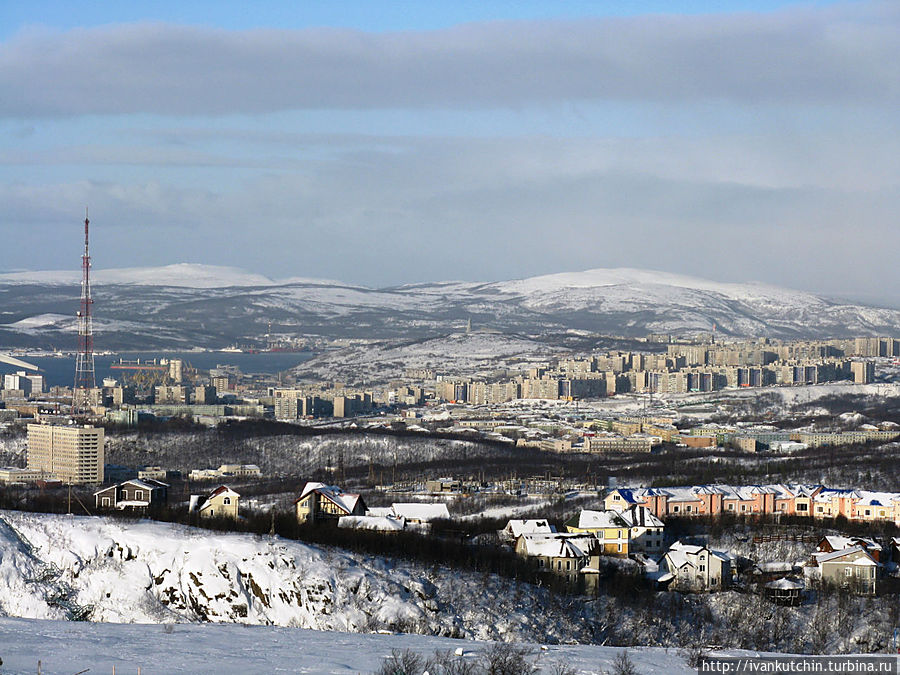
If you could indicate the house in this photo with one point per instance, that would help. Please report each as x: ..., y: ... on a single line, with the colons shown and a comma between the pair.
x: 515, y: 528
x: 611, y: 531
x: 647, y: 531
x: 320, y: 502
x: 689, y: 567
x: 852, y: 568
x: 895, y: 549
x: 222, y: 502
x: 563, y: 555
x: 136, y: 494
x: 832, y: 543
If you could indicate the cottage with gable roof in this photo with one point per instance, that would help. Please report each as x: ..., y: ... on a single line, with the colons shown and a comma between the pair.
x: 611, y: 531
x: 564, y: 555
x: 691, y: 567
x: 516, y: 528
x: 319, y: 502
x: 222, y: 502
x: 138, y: 494
x: 853, y: 568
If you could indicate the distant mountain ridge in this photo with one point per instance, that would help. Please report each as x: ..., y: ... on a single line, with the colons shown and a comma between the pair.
x: 184, y: 305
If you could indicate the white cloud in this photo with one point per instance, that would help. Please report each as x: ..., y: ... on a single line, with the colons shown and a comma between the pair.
x: 838, y: 55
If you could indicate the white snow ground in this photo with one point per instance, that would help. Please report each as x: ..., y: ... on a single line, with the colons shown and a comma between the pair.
x: 69, y: 647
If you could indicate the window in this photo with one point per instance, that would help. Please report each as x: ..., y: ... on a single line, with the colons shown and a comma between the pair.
x: 568, y: 564
x: 104, y: 501
x: 820, y: 509
x: 620, y: 548
x: 616, y: 498
x: 226, y: 500
x: 138, y: 494
x: 674, y: 509
x: 802, y: 506
x: 868, y: 512
x: 743, y: 507
x: 731, y: 507
x: 702, y: 568
x: 541, y: 562
x: 687, y: 509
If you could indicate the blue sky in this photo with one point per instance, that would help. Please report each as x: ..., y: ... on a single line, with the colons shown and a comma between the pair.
x: 386, y: 143
x: 367, y: 15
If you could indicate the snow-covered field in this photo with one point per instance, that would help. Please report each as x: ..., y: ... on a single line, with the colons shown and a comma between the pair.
x: 67, y: 647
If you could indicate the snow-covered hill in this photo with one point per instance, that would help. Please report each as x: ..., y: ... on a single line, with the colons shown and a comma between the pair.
x: 105, y: 570
x: 185, y: 305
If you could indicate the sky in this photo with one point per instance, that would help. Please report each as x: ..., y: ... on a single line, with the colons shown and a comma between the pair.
x: 383, y: 143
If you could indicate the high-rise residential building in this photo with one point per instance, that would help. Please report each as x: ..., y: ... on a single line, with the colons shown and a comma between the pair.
x: 72, y: 454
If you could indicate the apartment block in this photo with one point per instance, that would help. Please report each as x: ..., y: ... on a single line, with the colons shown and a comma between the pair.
x: 72, y: 454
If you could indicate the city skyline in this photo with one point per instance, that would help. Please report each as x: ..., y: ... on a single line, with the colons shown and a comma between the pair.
x: 473, y: 141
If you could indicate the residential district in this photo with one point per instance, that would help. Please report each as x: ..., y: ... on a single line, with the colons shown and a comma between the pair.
x: 630, y: 524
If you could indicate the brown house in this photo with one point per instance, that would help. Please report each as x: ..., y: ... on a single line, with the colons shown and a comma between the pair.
x: 136, y: 494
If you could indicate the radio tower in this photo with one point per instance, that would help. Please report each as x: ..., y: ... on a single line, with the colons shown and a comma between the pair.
x: 84, y: 361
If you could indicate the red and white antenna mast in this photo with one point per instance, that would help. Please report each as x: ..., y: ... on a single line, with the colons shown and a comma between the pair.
x: 85, y: 380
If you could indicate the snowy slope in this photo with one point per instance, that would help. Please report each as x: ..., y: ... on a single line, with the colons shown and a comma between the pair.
x: 66, y: 648
x: 124, y: 571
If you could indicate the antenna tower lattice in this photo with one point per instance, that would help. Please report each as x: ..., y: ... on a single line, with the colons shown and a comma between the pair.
x: 85, y: 379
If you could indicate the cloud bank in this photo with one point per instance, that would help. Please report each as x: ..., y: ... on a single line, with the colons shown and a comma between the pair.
x: 838, y: 55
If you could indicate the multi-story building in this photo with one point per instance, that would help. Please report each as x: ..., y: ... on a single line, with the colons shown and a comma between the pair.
x: 863, y: 372
x: 72, y: 454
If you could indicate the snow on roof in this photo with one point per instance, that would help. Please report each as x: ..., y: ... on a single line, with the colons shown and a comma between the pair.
x: 380, y: 511
x: 785, y: 585
x: 345, y: 501
x: 590, y: 520
x: 558, y: 545
x: 837, y: 555
x: 377, y: 523
x: 680, y: 554
x: 838, y: 542
x: 640, y: 516
x: 520, y: 527
x: 868, y: 498
x: 422, y: 512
